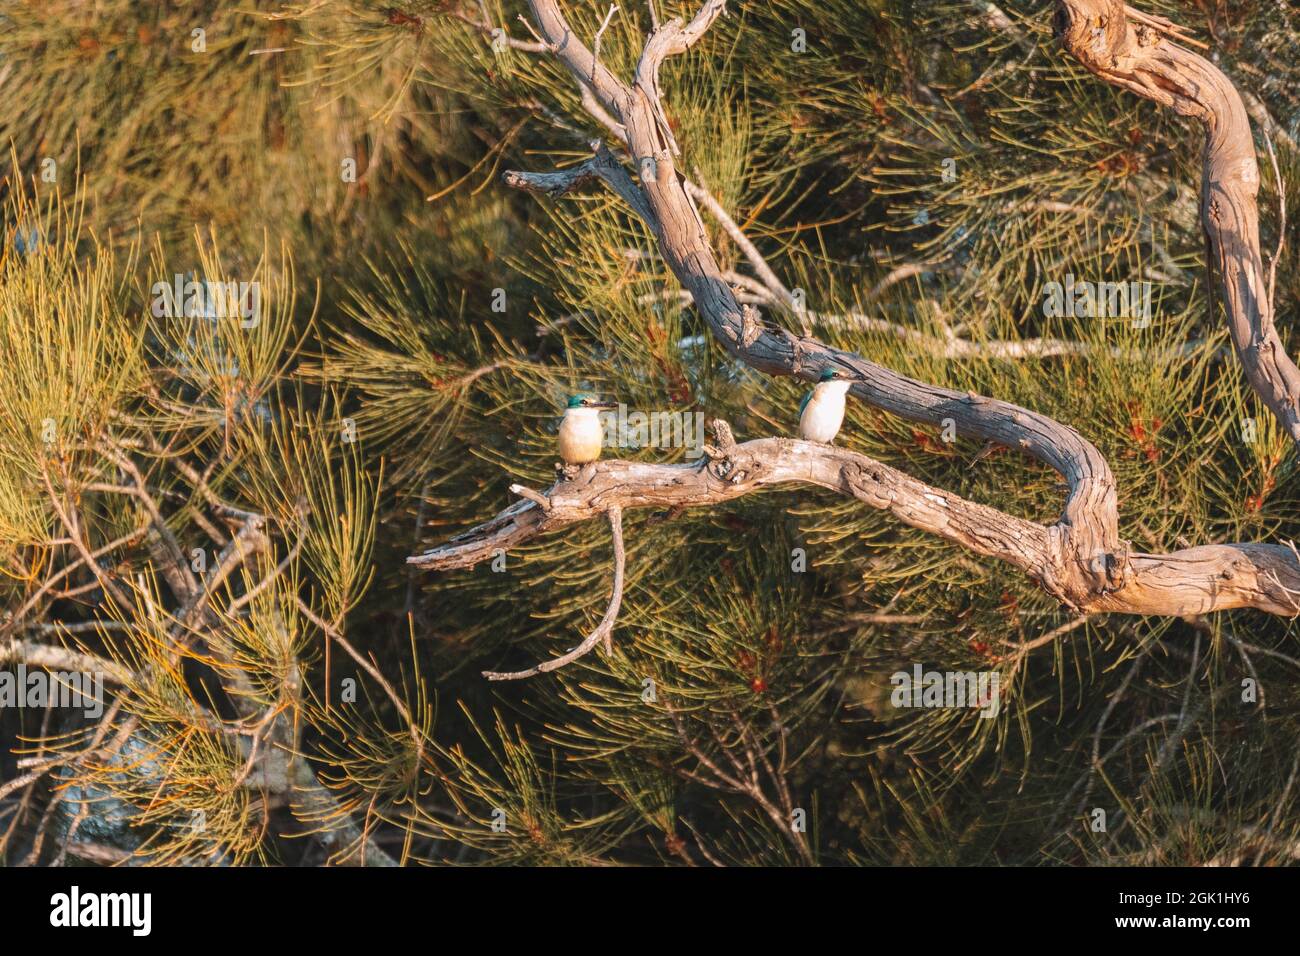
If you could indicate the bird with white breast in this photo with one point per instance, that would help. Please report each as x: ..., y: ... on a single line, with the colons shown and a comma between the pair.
x: 581, y: 433
x: 822, y: 411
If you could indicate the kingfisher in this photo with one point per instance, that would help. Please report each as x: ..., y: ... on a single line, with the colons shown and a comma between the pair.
x: 581, y: 433
x: 822, y: 411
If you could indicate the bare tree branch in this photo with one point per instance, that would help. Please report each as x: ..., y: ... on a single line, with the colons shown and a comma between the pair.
x: 1191, y: 581
x: 604, y: 630
x: 1140, y: 53
x: 52, y: 658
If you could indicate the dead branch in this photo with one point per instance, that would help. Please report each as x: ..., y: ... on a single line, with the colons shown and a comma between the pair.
x: 52, y: 658
x: 604, y: 630
x: 1191, y: 581
x: 1143, y: 55
x: 710, y: 774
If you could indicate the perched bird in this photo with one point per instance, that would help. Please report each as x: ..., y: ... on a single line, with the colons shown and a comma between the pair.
x: 822, y: 411
x: 581, y: 433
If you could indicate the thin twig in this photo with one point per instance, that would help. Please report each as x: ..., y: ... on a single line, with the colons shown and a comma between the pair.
x: 604, y: 630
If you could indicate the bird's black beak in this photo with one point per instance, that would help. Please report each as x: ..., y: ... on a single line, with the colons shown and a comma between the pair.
x: 603, y: 405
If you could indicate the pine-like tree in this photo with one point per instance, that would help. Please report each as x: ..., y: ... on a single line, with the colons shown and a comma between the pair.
x: 289, y: 294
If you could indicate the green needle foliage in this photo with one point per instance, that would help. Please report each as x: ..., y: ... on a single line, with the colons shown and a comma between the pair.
x: 209, y: 500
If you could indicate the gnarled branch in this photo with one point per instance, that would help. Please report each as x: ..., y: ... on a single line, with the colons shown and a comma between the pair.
x: 1141, y: 54
x: 1080, y: 559
x: 1192, y: 581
